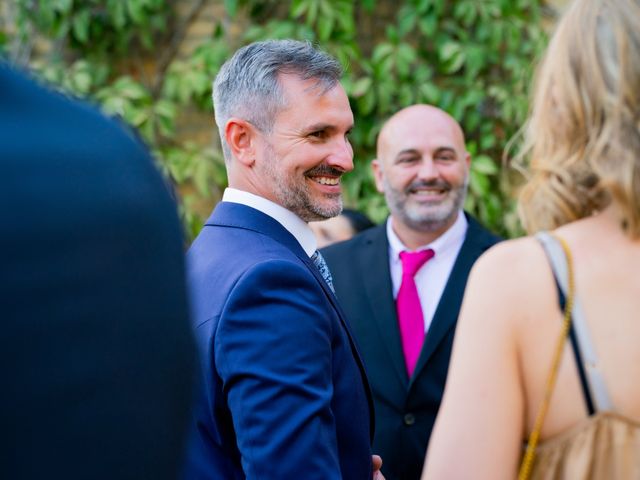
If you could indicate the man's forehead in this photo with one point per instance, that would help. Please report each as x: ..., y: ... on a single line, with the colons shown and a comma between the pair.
x: 329, y: 107
x: 418, y: 139
x: 417, y: 128
x: 295, y: 83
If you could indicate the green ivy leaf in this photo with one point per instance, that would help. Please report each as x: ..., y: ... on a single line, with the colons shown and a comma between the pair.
x: 361, y: 86
x: 484, y: 164
x: 81, y: 82
x: 231, y: 7
x: 452, y: 55
x: 367, y: 102
x: 61, y: 6
x: 136, y: 10
x: 80, y: 26
x: 325, y: 27
x: 382, y: 50
x: 117, y: 9
x: 369, y: 5
x: 407, y: 19
x: 478, y: 183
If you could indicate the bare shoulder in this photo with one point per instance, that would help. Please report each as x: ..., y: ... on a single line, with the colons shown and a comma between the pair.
x: 511, y: 274
x: 511, y: 260
x: 511, y: 285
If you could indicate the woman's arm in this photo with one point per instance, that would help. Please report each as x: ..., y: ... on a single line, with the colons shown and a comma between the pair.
x: 479, y: 430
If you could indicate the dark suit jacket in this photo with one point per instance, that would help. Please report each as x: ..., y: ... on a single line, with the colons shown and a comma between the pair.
x: 405, y: 409
x: 96, y: 352
x: 284, y: 393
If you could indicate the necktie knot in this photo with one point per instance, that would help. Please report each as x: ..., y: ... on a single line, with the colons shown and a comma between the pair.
x: 412, y: 261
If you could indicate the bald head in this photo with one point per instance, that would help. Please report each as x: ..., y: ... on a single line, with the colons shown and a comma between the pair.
x: 421, y: 119
x: 422, y: 168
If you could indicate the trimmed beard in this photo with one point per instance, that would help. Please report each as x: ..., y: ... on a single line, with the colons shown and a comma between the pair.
x: 425, y: 218
x: 295, y: 195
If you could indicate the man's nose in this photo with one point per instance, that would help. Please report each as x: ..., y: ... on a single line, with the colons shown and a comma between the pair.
x: 427, y: 169
x: 341, y: 156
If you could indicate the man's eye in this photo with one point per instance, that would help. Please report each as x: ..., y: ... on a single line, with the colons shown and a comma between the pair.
x: 446, y: 158
x: 407, y: 159
x: 318, y: 134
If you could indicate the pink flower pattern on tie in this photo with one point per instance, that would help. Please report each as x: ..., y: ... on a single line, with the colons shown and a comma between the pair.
x: 410, y: 317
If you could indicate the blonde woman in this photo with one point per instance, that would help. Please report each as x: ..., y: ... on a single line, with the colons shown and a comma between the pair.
x: 583, y: 142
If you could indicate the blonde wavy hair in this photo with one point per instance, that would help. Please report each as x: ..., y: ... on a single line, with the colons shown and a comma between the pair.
x: 582, y: 138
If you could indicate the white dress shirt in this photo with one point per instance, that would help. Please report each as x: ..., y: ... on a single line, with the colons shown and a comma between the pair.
x: 433, y: 275
x: 289, y: 220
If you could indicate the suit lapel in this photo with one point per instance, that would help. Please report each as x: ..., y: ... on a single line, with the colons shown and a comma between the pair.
x: 241, y: 216
x: 230, y: 214
x: 375, y: 258
x: 477, y: 240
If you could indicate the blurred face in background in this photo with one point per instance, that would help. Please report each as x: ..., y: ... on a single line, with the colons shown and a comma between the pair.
x: 422, y: 168
x: 333, y: 230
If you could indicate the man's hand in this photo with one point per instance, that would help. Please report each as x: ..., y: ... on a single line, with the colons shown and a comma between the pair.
x: 377, y: 464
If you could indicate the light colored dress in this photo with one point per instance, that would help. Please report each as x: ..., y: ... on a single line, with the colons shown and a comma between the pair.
x: 605, y: 445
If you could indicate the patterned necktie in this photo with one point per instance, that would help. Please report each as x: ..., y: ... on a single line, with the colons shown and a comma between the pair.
x: 410, y: 319
x: 319, y: 262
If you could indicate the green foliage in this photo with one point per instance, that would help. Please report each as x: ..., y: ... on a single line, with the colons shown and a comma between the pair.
x: 471, y: 58
x: 96, y: 27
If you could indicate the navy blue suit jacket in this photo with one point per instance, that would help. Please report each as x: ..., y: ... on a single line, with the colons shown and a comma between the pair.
x: 406, y: 408
x: 96, y: 353
x: 284, y: 393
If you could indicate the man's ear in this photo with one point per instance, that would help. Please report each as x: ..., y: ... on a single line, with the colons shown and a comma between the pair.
x: 240, y: 136
x: 378, y: 174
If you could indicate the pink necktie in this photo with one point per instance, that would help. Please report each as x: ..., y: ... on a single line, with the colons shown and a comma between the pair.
x: 410, y: 317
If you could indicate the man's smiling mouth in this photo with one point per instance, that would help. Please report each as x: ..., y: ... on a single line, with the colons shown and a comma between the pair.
x: 326, y: 180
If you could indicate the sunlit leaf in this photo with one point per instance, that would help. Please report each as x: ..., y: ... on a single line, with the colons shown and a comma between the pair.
x: 231, y: 6
x: 484, y: 164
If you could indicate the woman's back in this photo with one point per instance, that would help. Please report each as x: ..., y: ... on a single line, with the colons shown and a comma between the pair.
x: 509, y: 325
x: 606, y: 263
x: 603, y: 442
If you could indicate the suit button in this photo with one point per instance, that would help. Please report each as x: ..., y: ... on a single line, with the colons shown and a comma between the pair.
x: 409, y: 419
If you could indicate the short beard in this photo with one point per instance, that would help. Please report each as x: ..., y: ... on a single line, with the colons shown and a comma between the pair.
x: 425, y: 219
x: 296, y: 197
x: 310, y: 212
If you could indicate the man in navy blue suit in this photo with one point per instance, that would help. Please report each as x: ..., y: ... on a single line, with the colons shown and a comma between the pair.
x: 422, y: 167
x: 283, y: 391
x: 96, y: 353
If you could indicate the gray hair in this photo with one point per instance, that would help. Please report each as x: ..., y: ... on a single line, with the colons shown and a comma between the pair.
x: 247, y: 84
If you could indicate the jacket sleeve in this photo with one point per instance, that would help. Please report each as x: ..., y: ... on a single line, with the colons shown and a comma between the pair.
x: 273, y: 352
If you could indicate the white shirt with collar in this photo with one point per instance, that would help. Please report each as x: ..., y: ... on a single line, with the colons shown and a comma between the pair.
x: 434, y: 274
x: 289, y: 220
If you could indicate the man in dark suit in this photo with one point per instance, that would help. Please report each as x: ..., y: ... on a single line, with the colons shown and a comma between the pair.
x: 401, y: 283
x: 283, y: 393
x: 96, y: 351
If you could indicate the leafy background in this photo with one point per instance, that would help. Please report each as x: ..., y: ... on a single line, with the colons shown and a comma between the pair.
x: 138, y: 60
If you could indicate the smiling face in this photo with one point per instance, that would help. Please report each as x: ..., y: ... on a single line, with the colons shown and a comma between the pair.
x: 422, y: 168
x: 301, y: 161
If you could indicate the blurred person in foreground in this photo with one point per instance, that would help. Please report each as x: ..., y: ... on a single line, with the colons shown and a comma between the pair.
x: 283, y: 393
x: 340, y: 228
x: 96, y: 352
x: 404, y: 314
x: 583, y: 140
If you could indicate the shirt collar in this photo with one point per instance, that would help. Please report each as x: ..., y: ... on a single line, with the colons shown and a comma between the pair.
x: 289, y: 220
x: 457, y: 231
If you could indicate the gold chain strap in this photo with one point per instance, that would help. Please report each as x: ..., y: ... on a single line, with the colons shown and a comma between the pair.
x: 527, y: 460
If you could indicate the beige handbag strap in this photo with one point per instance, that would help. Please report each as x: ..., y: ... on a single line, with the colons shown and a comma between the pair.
x: 529, y: 455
